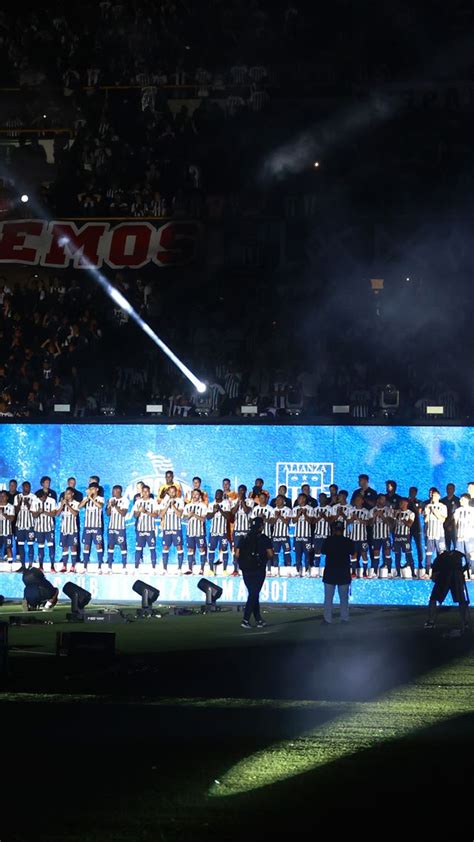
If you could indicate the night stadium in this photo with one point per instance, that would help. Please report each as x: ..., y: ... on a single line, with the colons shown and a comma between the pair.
x: 236, y: 401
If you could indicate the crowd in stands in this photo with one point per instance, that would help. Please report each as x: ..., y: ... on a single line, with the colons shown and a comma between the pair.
x: 214, y: 111
x: 62, y: 342
x: 107, y: 75
x: 154, y: 108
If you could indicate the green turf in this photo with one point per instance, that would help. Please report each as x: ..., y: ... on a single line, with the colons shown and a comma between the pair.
x: 198, y: 728
x: 196, y: 630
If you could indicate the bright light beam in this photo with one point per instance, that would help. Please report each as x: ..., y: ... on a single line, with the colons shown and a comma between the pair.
x: 125, y: 305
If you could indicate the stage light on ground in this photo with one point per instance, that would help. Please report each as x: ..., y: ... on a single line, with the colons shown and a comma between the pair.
x: 341, y: 409
x: 213, y: 593
x: 79, y: 599
x: 148, y: 594
x: 24, y: 198
x: 62, y: 407
x: 435, y: 410
x: 249, y: 409
x: 154, y: 408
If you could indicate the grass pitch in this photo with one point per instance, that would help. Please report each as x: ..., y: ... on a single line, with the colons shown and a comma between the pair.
x: 199, y: 729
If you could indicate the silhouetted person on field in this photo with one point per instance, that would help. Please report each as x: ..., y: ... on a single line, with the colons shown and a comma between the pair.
x: 253, y: 554
x: 448, y: 574
x: 337, y: 572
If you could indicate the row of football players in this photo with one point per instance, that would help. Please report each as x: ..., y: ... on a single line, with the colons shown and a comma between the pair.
x: 373, y: 530
x: 376, y: 530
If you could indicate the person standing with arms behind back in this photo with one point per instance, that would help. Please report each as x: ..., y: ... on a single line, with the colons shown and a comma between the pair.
x: 337, y: 572
x: 253, y: 554
x: 451, y: 501
x: 435, y: 514
x: 415, y: 505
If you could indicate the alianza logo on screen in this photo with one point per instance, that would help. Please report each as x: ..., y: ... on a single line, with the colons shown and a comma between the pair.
x: 318, y: 475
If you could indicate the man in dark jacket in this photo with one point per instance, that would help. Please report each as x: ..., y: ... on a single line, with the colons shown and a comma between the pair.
x: 448, y: 574
x: 38, y: 591
x: 337, y: 573
x: 253, y: 554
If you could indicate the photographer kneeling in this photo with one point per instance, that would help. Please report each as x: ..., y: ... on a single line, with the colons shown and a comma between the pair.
x: 38, y: 591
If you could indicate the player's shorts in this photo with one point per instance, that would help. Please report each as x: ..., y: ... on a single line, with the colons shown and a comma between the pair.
x: 401, y: 545
x: 318, y: 545
x: 379, y: 544
x: 435, y: 546
x: 466, y: 546
x: 281, y: 544
x: 361, y: 547
x: 69, y: 541
x: 25, y: 536
x: 195, y: 543
x: 302, y: 546
x: 146, y: 539
x: 218, y: 542
x: 92, y: 536
x: 172, y: 538
x: 45, y: 539
x: 117, y: 538
x: 237, y: 537
x: 5, y: 543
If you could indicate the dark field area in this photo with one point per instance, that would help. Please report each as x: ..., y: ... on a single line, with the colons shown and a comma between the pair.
x: 201, y: 730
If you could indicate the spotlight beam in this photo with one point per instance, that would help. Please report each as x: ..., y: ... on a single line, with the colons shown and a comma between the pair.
x: 125, y: 305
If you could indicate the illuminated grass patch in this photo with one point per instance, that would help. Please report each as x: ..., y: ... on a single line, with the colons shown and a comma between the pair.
x: 437, y: 696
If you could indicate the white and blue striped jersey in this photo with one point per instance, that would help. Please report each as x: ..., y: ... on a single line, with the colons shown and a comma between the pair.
x: 218, y: 522
x: 195, y: 528
x: 464, y: 522
x: 303, y: 527
x: 117, y: 520
x: 403, y: 523
x: 94, y: 516
x: 232, y: 385
x: 322, y: 528
x: 434, y: 526
x: 241, y: 517
x: 6, y: 525
x: 359, y: 525
x: 265, y: 512
x: 380, y: 529
x: 69, y: 521
x: 44, y: 522
x: 340, y: 512
x: 280, y: 528
x: 145, y: 509
x: 171, y: 516
x: 24, y: 518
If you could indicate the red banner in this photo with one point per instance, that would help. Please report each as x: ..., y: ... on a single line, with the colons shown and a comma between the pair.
x: 120, y: 245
